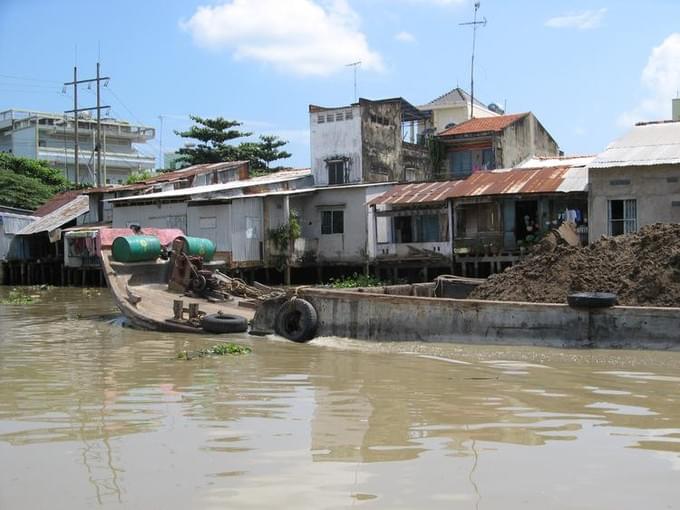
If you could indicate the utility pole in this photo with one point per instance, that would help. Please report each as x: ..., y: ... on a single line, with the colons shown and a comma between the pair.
x: 161, y: 164
x: 355, y: 65
x: 98, y: 145
x: 75, y: 107
x: 75, y: 113
x: 474, y: 25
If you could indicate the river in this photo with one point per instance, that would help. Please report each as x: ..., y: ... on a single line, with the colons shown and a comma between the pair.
x: 97, y: 415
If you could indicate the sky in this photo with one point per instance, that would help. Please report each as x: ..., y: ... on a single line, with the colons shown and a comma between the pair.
x: 587, y: 69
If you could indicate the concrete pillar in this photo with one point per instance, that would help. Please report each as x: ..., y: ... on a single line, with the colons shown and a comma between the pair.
x: 373, y: 250
x: 286, y: 219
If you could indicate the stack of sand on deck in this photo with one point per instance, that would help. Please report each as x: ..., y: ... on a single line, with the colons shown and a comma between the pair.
x: 641, y: 268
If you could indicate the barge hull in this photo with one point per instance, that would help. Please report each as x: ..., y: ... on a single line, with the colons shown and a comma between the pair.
x: 382, y: 317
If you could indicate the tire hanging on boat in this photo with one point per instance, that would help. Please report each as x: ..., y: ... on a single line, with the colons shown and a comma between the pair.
x: 224, y: 323
x: 296, y: 320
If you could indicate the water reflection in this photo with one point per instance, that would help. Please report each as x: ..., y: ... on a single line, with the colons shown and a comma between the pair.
x: 110, y: 414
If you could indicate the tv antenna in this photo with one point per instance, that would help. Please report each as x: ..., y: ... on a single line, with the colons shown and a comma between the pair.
x: 355, y: 65
x: 474, y: 25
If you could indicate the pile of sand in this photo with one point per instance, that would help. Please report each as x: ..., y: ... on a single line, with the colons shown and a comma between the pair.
x: 641, y: 268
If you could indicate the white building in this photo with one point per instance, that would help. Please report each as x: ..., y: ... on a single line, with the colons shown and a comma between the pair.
x: 51, y: 137
x: 454, y: 107
x: 636, y: 180
x: 231, y: 214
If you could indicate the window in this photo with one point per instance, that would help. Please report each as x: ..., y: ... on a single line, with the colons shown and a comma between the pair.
x: 321, y: 118
x: 332, y: 222
x: 488, y: 162
x: 622, y: 217
x: 329, y: 117
x: 348, y: 115
x: 427, y: 228
x: 336, y: 172
x: 461, y: 163
x: 339, y: 116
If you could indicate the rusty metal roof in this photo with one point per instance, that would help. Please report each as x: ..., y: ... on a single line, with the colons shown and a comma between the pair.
x: 56, y: 202
x: 563, y: 179
x: 59, y: 217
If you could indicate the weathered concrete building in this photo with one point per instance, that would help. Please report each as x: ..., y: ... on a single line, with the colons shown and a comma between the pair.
x: 369, y: 141
x: 487, y: 143
x: 333, y: 226
x: 636, y: 180
x: 455, y: 107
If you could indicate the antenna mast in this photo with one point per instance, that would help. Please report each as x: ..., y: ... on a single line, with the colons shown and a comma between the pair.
x: 474, y: 25
x: 355, y: 65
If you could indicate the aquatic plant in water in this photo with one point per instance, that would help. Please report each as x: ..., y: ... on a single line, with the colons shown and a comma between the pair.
x: 228, y: 349
x: 355, y: 280
x: 16, y: 297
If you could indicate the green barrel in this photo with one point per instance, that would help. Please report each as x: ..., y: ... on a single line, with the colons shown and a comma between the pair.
x: 136, y: 248
x: 199, y: 247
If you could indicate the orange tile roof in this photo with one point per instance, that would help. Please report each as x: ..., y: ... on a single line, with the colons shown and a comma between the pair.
x: 483, y: 124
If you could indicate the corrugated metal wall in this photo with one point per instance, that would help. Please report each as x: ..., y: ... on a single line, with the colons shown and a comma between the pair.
x: 170, y: 215
x: 10, y: 224
x: 246, y: 227
x: 211, y: 222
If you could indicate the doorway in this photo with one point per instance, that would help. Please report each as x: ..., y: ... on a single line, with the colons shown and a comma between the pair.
x: 526, y: 219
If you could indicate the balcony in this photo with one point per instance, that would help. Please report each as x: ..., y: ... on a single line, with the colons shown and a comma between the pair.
x: 413, y: 251
x: 128, y: 160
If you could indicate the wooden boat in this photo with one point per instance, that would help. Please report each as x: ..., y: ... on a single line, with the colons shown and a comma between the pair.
x: 142, y: 293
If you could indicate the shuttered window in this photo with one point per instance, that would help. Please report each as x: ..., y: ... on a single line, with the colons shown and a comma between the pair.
x: 332, y: 222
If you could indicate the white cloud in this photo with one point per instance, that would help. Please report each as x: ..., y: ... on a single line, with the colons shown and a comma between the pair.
x: 581, y: 20
x: 661, y: 78
x: 304, y: 37
x: 439, y: 2
x: 406, y: 37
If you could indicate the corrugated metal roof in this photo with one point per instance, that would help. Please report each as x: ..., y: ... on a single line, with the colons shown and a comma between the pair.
x: 13, y: 223
x: 56, y: 202
x: 453, y: 97
x: 70, y: 211
x: 483, y: 125
x: 497, y: 182
x: 644, y: 145
x: 547, y: 161
x: 194, y: 170
x: 283, y: 176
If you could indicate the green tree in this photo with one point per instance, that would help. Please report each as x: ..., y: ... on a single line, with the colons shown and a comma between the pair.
x: 26, y: 183
x: 139, y: 176
x: 213, y: 136
x: 269, y: 149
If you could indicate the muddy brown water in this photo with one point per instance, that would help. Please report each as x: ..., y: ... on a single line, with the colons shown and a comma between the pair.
x: 97, y: 415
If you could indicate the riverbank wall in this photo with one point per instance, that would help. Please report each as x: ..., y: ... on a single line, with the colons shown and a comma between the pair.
x: 405, y: 318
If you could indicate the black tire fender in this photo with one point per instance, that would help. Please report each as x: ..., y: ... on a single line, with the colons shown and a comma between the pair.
x: 591, y: 300
x: 296, y: 320
x: 198, y: 283
x: 224, y: 323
